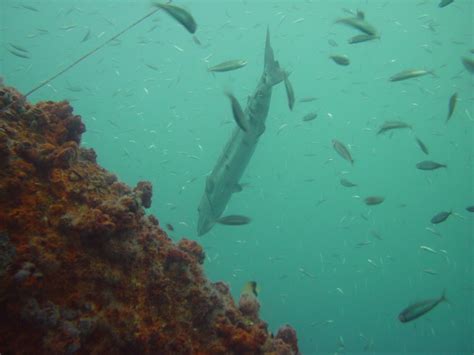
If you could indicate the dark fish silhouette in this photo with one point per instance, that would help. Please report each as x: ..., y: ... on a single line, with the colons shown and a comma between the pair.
x: 444, y: 3
x: 290, y: 93
x: 234, y: 220
x: 452, y: 105
x: 238, y: 113
x: 389, y: 125
x: 342, y: 150
x: 340, y: 59
x: 422, y: 146
x: 374, y: 200
x: 347, y: 183
x: 430, y: 165
x: 440, y: 217
x: 418, y: 309
x: 180, y: 15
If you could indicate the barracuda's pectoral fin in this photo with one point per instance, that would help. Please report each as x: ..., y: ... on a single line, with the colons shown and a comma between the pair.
x: 274, y: 74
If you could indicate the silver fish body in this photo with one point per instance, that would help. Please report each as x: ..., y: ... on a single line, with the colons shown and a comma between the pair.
x: 290, y: 93
x: 430, y: 165
x: 374, y: 200
x: 310, y: 116
x: 347, y: 183
x: 360, y: 24
x: 238, y: 113
x: 228, y: 65
x: 452, y: 105
x: 422, y: 146
x: 225, y: 176
x: 234, y: 220
x: 418, y: 309
x: 362, y: 38
x: 180, y: 15
x: 440, y: 217
x: 342, y: 150
x: 340, y: 59
x: 389, y: 125
x: 410, y: 74
x: 444, y: 3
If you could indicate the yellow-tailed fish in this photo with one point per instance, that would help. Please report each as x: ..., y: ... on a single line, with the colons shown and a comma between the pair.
x: 251, y: 288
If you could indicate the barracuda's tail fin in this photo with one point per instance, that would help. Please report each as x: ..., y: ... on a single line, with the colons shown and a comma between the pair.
x: 274, y: 74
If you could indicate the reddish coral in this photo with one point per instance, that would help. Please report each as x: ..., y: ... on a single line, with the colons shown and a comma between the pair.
x: 143, y: 191
x: 192, y: 248
x: 249, y: 306
x: 84, y: 270
x: 288, y: 335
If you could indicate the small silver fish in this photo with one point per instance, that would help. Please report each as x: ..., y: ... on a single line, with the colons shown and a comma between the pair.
x: 19, y: 54
x: 310, y: 116
x: 290, y: 93
x: 308, y: 99
x: 430, y: 165
x: 440, y: 217
x: 468, y: 64
x: 340, y: 59
x: 374, y: 200
x: 342, y: 150
x: 18, y: 48
x: 238, y: 113
x: 428, y: 249
x: 347, y: 183
x: 28, y: 7
x: 87, y: 36
x: 409, y: 74
x: 452, y: 105
x: 362, y: 38
x: 180, y: 15
x: 228, y: 65
x: 418, y: 309
x: 444, y: 3
x: 234, y: 220
x: 389, y: 125
x: 422, y: 146
x: 358, y: 23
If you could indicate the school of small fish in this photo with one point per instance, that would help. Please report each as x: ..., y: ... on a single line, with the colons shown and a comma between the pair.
x: 391, y: 125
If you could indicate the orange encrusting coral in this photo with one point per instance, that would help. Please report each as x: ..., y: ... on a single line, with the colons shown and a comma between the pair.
x: 84, y: 270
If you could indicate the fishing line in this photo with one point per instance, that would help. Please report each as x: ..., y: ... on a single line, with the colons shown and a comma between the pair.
x: 46, y: 82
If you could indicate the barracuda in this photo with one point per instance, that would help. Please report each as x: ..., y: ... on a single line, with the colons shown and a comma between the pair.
x: 224, y: 178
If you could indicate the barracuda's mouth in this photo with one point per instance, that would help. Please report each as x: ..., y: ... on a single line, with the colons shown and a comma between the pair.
x: 204, y: 224
x: 206, y: 218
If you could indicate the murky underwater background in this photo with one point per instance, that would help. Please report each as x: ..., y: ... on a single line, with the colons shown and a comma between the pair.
x: 336, y: 269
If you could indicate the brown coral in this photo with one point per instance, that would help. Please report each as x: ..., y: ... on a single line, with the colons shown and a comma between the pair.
x: 84, y: 270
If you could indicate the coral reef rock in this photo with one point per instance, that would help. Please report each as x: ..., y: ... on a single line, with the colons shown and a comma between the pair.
x: 84, y: 270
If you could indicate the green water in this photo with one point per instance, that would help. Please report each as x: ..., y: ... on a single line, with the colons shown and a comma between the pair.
x: 169, y: 126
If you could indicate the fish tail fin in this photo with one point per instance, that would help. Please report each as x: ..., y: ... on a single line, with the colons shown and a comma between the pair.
x: 432, y: 72
x: 274, y: 74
